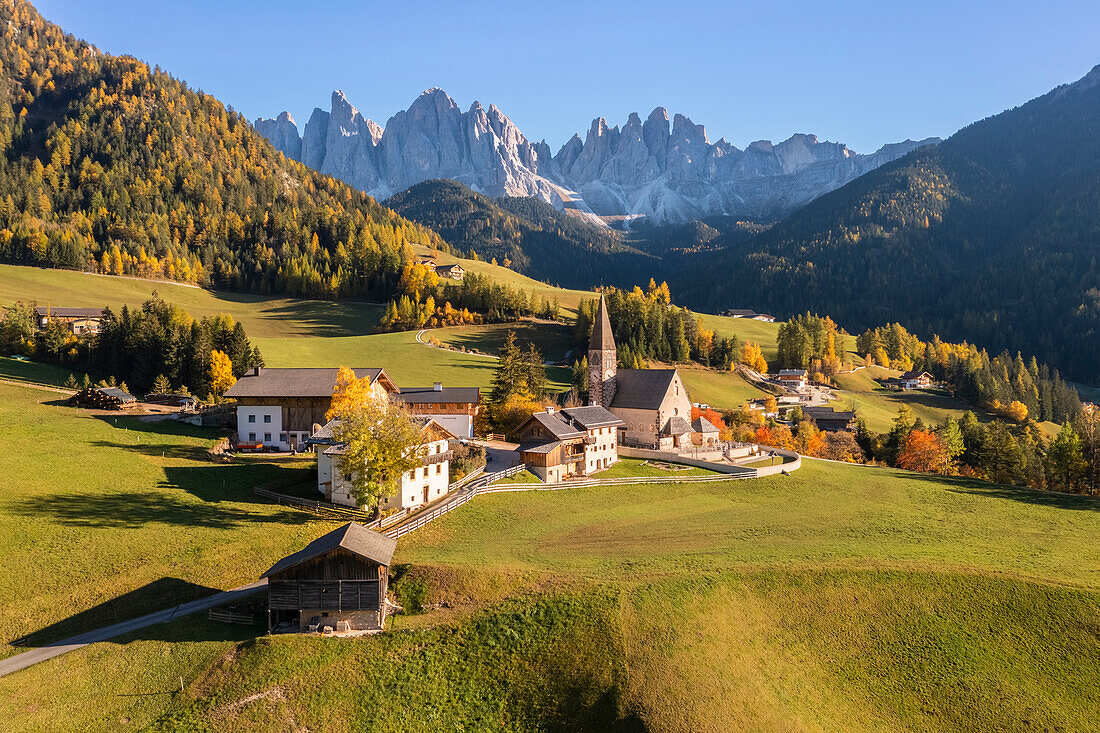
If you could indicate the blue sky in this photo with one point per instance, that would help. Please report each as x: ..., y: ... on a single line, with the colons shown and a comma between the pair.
x: 863, y: 73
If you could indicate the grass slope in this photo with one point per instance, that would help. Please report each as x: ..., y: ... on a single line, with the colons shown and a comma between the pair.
x: 261, y: 315
x: 409, y: 363
x: 836, y: 598
x: 153, y: 524
x: 720, y: 390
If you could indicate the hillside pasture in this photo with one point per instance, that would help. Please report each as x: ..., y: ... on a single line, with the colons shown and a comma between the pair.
x: 409, y: 363
x: 262, y: 315
x: 107, y: 518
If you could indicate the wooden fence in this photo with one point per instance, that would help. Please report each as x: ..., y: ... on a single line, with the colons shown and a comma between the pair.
x: 230, y: 617
x: 317, y: 506
x: 463, y: 495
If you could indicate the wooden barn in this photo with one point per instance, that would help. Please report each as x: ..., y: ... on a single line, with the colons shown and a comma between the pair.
x: 336, y: 582
x: 104, y: 398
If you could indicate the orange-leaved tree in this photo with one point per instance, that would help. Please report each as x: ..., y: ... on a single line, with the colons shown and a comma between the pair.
x: 924, y: 451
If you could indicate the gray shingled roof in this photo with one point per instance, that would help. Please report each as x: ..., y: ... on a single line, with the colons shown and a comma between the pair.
x: 354, y: 538
x: 557, y: 426
x: 429, y: 395
x: 293, y: 382
x: 827, y: 413
x: 792, y: 373
x: 703, y: 425
x: 643, y: 389
x: 539, y: 447
x: 592, y: 417
x: 676, y: 426
x: 116, y: 393
x: 602, y: 337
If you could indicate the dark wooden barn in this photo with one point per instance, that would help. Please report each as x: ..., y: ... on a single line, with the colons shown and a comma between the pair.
x: 337, y: 581
x: 104, y: 398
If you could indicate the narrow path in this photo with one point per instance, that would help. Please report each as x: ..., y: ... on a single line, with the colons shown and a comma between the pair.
x: 37, y: 385
x: 57, y: 648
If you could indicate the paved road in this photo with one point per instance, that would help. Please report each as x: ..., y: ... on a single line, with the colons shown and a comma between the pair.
x: 41, y: 654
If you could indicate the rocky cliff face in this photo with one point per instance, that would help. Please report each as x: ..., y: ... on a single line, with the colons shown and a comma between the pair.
x: 669, y: 173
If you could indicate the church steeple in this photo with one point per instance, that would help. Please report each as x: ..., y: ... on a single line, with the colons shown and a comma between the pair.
x: 601, y: 359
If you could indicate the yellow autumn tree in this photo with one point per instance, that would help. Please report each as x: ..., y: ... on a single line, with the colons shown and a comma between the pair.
x: 221, y: 372
x: 753, y: 357
x: 1017, y: 411
x: 349, y: 392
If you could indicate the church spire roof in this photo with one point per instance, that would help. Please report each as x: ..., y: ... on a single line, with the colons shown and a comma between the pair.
x: 601, y: 330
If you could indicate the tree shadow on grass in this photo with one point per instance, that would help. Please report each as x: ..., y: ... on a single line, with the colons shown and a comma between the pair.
x: 156, y: 596
x: 134, y: 509
x: 975, y: 487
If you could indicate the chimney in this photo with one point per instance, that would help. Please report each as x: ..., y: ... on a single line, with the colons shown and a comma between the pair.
x: 549, y: 409
x: 437, y: 387
x: 256, y: 371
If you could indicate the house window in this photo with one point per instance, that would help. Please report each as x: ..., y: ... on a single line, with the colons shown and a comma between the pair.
x: 282, y: 437
x: 267, y: 437
x: 438, y: 468
x: 252, y: 437
x: 251, y: 418
x: 267, y: 418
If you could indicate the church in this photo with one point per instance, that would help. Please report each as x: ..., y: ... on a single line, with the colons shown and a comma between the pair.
x: 652, y: 403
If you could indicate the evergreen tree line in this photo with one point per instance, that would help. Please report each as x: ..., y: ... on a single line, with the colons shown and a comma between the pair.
x: 811, y: 342
x: 647, y: 326
x: 1005, y: 385
x: 474, y: 299
x: 156, y: 347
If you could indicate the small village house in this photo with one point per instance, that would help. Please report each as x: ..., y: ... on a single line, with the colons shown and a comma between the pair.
x: 653, y: 404
x: 280, y: 407
x: 452, y: 407
x: 339, y: 582
x: 79, y: 320
x: 747, y: 313
x: 793, y: 378
x: 830, y: 420
x: 422, y: 485
x: 453, y: 271
x: 916, y: 379
x: 574, y: 441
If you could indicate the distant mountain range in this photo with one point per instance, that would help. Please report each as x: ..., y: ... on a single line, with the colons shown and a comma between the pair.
x: 668, y: 173
x: 992, y: 236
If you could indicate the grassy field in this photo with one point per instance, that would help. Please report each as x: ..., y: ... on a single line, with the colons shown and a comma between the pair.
x: 634, y: 467
x: 836, y: 598
x: 746, y: 329
x: 553, y: 340
x: 409, y: 363
x: 261, y: 315
x: 720, y: 390
x: 154, y: 523
x: 568, y: 299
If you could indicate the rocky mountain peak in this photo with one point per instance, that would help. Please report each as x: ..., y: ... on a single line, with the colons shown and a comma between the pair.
x: 667, y: 170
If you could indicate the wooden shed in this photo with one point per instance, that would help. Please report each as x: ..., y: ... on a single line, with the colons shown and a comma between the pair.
x: 338, y: 581
x: 104, y: 398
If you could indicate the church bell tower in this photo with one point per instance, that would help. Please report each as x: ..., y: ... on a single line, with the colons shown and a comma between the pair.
x: 601, y: 360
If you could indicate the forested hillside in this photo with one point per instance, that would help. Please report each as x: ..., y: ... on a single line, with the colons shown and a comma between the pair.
x: 526, y: 234
x: 109, y: 165
x: 991, y: 237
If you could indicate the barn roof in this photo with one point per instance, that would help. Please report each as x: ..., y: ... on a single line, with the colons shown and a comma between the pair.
x: 643, y: 389
x: 298, y: 382
x: 591, y: 417
x: 444, y: 395
x: 117, y: 393
x: 353, y: 537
